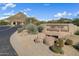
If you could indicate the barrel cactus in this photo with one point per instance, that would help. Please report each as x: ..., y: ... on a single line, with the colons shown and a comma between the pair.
x: 69, y: 42
x: 40, y: 28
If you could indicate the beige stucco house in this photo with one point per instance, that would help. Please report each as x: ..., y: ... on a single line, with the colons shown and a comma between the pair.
x: 59, y: 30
x: 17, y: 19
x: 17, y: 22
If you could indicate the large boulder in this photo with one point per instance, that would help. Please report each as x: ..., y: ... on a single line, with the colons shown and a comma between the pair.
x: 49, y: 41
x: 40, y: 37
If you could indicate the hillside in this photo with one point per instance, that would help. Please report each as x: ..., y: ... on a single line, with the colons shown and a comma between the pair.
x: 18, y: 16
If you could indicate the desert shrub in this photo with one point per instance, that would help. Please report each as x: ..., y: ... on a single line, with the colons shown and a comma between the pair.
x: 56, y: 43
x: 76, y: 21
x: 2, y: 22
x: 69, y: 42
x: 56, y: 49
x: 77, y: 32
x: 76, y: 46
x: 32, y: 28
x: 20, y: 29
x: 59, y: 43
x: 40, y: 28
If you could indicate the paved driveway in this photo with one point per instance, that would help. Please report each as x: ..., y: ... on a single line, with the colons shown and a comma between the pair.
x: 5, y: 46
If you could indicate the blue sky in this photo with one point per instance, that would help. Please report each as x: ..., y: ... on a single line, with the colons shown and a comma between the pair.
x: 42, y: 11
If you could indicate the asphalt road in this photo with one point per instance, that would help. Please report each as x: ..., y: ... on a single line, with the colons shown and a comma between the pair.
x: 5, y: 46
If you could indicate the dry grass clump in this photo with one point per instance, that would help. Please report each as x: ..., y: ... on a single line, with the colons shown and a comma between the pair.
x: 69, y: 42
x: 76, y: 46
x: 77, y: 32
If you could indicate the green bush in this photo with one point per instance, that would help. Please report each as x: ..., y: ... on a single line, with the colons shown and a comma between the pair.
x: 69, y: 42
x: 76, y: 46
x: 2, y: 22
x: 77, y: 32
x: 76, y: 21
x: 59, y: 43
x: 56, y: 43
x: 56, y: 49
x: 32, y: 28
x: 20, y: 30
x: 40, y: 28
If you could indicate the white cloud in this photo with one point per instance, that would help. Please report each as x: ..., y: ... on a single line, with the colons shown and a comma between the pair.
x: 9, y: 13
x: 63, y: 14
x: 69, y: 14
x: 3, y: 17
x: 76, y: 14
x: 46, y: 4
x: 24, y: 12
x: 8, y: 5
x: 27, y: 9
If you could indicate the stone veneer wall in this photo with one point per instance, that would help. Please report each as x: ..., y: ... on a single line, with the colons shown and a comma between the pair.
x: 71, y: 29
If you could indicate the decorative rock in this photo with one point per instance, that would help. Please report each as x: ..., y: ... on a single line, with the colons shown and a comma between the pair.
x: 40, y: 37
x: 49, y: 41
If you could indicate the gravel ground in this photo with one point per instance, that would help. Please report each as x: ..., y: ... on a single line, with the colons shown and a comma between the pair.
x: 25, y: 46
